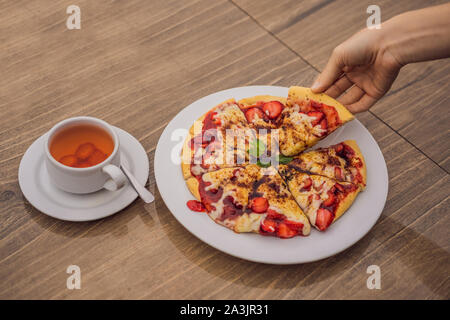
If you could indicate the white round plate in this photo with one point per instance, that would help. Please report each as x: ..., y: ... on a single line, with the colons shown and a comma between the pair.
x: 47, y: 198
x: 346, y: 231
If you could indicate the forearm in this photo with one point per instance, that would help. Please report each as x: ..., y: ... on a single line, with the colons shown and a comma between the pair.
x: 418, y: 35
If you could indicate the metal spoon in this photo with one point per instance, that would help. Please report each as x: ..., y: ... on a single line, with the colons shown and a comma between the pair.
x: 142, y: 191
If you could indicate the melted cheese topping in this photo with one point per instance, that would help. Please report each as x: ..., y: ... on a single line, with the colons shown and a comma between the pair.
x: 322, y: 184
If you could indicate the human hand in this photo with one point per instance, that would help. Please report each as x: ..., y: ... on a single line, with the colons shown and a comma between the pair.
x: 359, y: 72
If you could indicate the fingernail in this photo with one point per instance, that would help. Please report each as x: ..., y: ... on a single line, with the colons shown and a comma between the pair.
x: 315, y: 85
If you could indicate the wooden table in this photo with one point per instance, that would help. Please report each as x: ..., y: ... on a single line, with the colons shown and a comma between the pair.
x: 136, y: 64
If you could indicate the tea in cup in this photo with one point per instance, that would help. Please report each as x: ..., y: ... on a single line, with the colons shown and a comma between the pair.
x: 82, y: 156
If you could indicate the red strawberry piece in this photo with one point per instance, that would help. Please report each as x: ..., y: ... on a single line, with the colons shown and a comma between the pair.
x: 259, y: 205
x: 96, y: 157
x: 69, y: 160
x: 349, y: 153
x: 285, y: 232
x: 316, y: 105
x: 210, y: 121
x: 196, y: 206
x: 317, y: 115
x: 332, y: 116
x: 330, y: 200
x: 82, y: 164
x: 306, y: 107
x: 258, y: 104
x: 339, y: 147
x: 294, y: 225
x: 307, y: 184
x: 323, y: 124
x: 272, y: 109
x: 338, y: 173
x: 269, y: 225
x: 357, y: 162
x: 253, y: 113
x: 274, y: 215
x: 85, y: 150
x: 340, y: 187
x: 324, y: 218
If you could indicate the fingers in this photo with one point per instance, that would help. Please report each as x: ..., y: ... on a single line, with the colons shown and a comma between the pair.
x: 339, y: 87
x: 362, y: 104
x: 351, y: 96
x: 331, y: 72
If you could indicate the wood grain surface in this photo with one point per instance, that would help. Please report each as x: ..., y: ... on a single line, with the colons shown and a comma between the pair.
x: 136, y: 64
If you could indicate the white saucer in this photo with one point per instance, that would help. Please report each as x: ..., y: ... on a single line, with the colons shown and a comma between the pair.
x: 346, y: 231
x: 47, y: 198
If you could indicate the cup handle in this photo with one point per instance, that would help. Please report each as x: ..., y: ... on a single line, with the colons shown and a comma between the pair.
x: 117, y: 180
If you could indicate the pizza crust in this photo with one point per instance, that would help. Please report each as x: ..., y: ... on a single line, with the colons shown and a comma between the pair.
x: 192, y: 184
x: 358, y: 153
x: 346, y: 203
x: 264, y: 98
x: 302, y: 93
x: 186, y: 157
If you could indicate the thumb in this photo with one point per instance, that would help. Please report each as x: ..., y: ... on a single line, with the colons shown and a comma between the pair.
x: 332, y: 71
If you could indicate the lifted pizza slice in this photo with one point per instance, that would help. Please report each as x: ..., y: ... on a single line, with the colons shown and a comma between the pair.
x: 249, y: 199
x: 308, y: 118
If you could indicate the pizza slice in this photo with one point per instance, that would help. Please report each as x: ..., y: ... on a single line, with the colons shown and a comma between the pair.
x: 249, y: 199
x: 206, y: 147
x: 308, y: 118
x: 323, y: 199
x: 343, y: 162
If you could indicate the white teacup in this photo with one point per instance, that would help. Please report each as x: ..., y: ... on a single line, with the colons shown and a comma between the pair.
x: 106, y: 174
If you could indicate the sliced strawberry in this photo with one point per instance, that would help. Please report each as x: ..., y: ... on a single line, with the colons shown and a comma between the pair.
x: 258, y: 104
x: 294, y: 225
x: 338, y: 173
x: 259, y: 205
x: 349, y: 153
x: 196, y: 206
x: 306, y: 107
x: 268, y: 225
x: 340, y: 187
x: 324, y: 218
x: 274, y: 215
x: 285, y: 232
x: 332, y: 117
x: 210, y: 121
x: 330, y: 200
x: 82, y: 164
x: 253, y: 113
x: 272, y: 109
x: 323, y: 124
x: 316, y: 105
x: 85, y: 150
x: 317, y: 115
x: 69, y: 160
x: 307, y: 184
x: 339, y: 147
x: 96, y: 157
x: 357, y: 162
